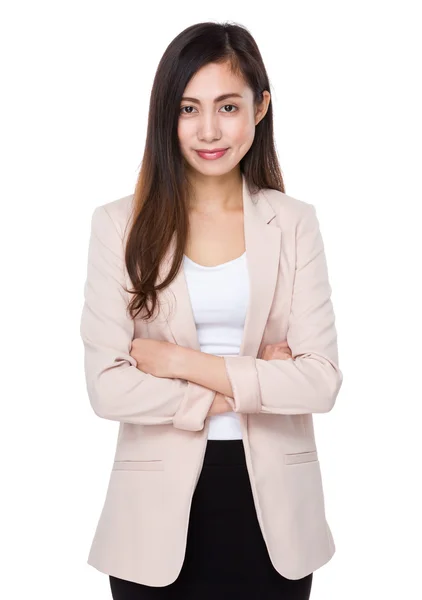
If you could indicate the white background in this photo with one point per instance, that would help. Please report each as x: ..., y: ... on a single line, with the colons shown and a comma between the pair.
x: 76, y: 79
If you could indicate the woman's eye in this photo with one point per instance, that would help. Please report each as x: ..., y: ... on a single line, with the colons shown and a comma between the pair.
x: 183, y: 107
x: 232, y: 105
x: 189, y: 112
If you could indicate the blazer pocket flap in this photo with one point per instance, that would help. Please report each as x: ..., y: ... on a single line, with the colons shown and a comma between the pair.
x: 300, y: 457
x: 138, y: 465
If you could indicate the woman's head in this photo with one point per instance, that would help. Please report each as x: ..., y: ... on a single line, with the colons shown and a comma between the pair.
x: 205, y: 61
x: 218, y: 110
x: 202, y: 63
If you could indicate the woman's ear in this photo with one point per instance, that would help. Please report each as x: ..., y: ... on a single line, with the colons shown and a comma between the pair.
x: 262, y: 107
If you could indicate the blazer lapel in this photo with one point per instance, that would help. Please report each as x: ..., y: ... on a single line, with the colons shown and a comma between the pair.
x: 262, y: 245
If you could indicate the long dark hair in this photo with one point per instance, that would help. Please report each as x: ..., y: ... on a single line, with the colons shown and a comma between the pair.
x: 162, y: 188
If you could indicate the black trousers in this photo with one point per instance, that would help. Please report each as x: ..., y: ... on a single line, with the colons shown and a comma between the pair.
x: 226, y: 556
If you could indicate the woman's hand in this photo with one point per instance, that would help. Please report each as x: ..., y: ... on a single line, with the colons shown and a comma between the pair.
x: 155, y: 356
x: 219, y: 405
x: 280, y: 351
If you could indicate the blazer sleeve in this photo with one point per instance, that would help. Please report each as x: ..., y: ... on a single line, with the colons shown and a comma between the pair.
x: 117, y: 389
x: 309, y: 381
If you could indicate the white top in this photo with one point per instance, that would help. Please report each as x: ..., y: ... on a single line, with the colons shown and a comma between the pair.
x: 219, y: 296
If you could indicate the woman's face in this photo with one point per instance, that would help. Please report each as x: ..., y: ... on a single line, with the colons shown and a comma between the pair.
x: 206, y: 123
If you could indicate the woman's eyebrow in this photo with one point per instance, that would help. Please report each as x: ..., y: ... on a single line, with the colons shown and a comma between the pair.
x: 218, y: 99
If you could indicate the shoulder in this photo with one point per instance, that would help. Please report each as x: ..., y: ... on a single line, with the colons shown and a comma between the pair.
x: 291, y: 213
x: 287, y: 206
x: 118, y: 211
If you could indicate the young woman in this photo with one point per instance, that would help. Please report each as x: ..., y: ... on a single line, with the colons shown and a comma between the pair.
x: 210, y: 337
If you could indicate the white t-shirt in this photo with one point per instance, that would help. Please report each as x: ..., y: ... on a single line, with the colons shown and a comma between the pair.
x: 219, y: 296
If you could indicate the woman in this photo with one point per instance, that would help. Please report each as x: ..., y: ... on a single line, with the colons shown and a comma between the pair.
x: 215, y: 489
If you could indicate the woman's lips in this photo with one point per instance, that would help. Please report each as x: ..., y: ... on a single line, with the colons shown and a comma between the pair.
x: 211, y: 155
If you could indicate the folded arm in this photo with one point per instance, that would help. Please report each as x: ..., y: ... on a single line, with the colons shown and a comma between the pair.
x: 117, y: 389
x: 308, y: 382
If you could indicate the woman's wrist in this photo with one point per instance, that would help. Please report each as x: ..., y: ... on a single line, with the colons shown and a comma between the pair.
x: 219, y: 405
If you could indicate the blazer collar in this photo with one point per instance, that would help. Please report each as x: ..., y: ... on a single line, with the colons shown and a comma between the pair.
x: 262, y: 243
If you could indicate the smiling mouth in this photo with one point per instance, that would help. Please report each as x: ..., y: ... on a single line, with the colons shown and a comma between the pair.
x: 211, y: 154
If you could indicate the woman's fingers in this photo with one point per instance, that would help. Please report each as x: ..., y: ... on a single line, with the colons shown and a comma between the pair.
x: 278, y: 354
x: 280, y: 350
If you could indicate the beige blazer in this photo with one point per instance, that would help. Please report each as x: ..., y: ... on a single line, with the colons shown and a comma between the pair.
x: 142, y: 530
